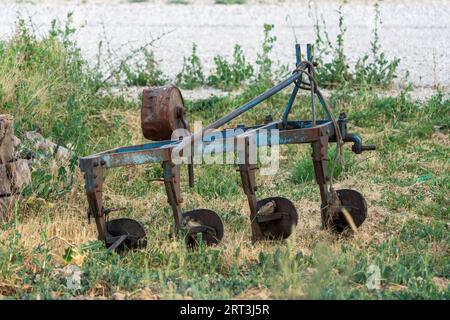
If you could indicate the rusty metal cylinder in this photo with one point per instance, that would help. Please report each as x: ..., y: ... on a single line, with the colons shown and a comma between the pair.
x: 162, y: 112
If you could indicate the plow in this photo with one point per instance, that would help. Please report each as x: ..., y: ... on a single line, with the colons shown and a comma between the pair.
x: 163, y: 113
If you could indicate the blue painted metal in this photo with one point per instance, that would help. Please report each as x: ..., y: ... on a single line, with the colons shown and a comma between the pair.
x: 147, y: 146
x: 288, y: 107
x: 130, y: 158
x: 297, y: 54
x: 224, y: 141
x: 254, y: 102
x: 323, y: 103
x: 311, y: 81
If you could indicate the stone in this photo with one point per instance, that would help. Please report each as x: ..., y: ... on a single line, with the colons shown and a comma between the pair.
x: 6, y: 207
x: 7, y: 139
x: 441, y: 283
x: 48, y: 146
x: 20, y: 174
x: 5, y: 184
x: 118, y: 296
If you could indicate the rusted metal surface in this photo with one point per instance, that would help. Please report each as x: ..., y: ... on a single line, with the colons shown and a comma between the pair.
x: 205, y: 222
x: 127, y: 233
x: 355, y: 204
x: 162, y: 112
x: 270, y: 218
x: 279, y: 220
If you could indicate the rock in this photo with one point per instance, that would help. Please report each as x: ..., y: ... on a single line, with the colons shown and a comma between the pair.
x: 62, y: 153
x: 441, y: 283
x: 5, y: 184
x: 48, y: 146
x: 118, y: 296
x: 14, y: 174
x: 310, y: 271
x: 7, y: 139
x: 145, y: 294
x: 6, y: 207
x: 20, y: 174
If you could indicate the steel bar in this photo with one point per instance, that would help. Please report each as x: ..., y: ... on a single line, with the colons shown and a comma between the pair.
x: 254, y: 102
x: 287, y: 110
x: 311, y: 82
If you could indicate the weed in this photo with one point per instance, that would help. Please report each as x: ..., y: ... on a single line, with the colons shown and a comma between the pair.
x: 146, y: 74
x: 379, y: 71
x: 191, y: 75
x: 229, y: 1
x: 229, y: 76
x: 332, y: 61
x: 333, y: 69
x: 263, y: 59
x: 48, y: 86
x: 178, y: 2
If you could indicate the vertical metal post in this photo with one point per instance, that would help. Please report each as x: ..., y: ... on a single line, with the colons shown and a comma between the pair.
x: 298, y: 53
x: 319, y: 155
x: 309, y: 55
x: 94, y: 191
x: 171, y: 182
x: 247, y: 172
x: 287, y: 110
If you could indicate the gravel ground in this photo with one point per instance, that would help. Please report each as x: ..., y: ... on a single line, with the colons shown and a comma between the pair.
x: 417, y: 33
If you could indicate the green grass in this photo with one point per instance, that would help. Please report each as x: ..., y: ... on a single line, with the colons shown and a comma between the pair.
x: 45, y: 83
x: 178, y: 1
x: 229, y: 1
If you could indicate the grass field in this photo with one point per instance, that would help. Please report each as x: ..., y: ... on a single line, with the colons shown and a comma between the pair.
x: 46, y: 84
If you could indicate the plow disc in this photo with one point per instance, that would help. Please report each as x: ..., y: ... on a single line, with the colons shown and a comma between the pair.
x: 125, y: 233
x: 276, y: 217
x: 355, y: 204
x: 203, y: 225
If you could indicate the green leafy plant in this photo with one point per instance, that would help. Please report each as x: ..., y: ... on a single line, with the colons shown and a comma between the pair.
x: 333, y: 69
x: 331, y: 58
x: 229, y: 1
x: 178, y: 2
x: 230, y: 76
x: 191, y: 75
x: 377, y: 69
x: 263, y: 59
x: 147, y: 73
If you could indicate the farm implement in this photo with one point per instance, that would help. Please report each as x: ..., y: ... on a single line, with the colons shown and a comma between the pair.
x: 163, y: 113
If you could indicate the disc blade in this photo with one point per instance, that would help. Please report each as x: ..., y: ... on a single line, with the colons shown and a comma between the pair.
x: 286, y: 218
x: 208, y: 218
x: 132, y: 229
x: 356, y: 206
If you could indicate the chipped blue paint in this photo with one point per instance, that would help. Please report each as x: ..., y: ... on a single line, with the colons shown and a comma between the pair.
x: 147, y: 146
x: 112, y: 160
